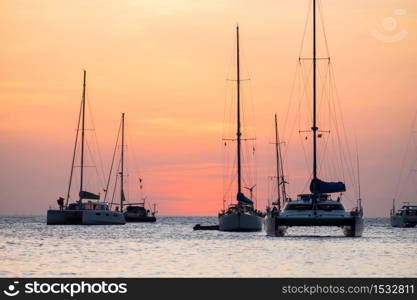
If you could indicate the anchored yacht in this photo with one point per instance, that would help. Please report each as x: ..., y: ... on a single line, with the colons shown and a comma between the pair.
x: 316, y: 208
x: 133, y: 212
x: 81, y: 212
x: 241, y: 216
x: 406, y: 216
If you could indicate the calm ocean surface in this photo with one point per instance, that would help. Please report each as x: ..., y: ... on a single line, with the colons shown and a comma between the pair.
x: 170, y: 248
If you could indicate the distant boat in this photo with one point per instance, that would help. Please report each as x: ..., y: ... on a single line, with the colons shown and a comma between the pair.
x: 81, y: 212
x: 240, y: 216
x: 282, y: 197
x: 316, y: 208
x: 406, y: 216
x: 134, y: 212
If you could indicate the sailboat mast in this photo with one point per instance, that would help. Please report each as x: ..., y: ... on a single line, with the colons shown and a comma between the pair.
x: 238, y: 133
x: 278, y: 162
x: 314, y: 128
x: 122, y: 196
x: 82, y: 137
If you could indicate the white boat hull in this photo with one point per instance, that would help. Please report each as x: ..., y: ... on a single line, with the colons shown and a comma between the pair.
x: 240, y: 222
x: 355, y: 229
x: 352, y: 226
x: 84, y: 217
x: 272, y: 229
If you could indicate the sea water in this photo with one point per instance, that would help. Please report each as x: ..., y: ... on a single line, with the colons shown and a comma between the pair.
x: 170, y: 248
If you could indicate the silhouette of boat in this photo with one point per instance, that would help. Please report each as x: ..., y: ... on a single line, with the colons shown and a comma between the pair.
x: 316, y: 208
x: 92, y: 212
x: 241, y: 216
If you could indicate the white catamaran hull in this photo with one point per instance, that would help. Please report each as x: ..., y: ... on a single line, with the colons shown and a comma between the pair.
x: 352, y: 226
x: 272, y: 229
x: 240, y: 222
x: 84, y: 217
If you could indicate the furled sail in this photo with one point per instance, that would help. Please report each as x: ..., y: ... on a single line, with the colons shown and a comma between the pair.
x: 242, y: 198
x: 319, y: 186
x: 88, y: 195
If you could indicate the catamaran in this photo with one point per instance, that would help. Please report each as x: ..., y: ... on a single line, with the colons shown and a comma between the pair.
x: 92, y: 211
x: 316, y: 208
x: 240, y: 216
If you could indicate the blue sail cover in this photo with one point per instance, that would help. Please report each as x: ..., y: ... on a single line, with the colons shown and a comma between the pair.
x: 88, y: 195
x: 244, y: 199
x: 319, y: 186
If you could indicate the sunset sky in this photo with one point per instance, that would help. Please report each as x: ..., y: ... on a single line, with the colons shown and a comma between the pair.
x: 165, y: 63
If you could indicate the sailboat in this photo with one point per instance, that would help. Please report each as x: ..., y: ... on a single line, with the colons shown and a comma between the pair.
x: 406, y: 216
x: 280, y: 183
x: 241, y: 216
x: 317, y: 208
x: 134, y: 212
x: 92, y: 211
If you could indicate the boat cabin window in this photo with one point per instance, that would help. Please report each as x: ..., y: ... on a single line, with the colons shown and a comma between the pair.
x: 299, y: 207
x: 330, y: 207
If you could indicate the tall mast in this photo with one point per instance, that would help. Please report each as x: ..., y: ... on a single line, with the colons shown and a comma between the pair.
x: 238, y: 133
x: 278, y: 162
x: 122, y: 195
x: 82, y: 136
x: 314, y: 128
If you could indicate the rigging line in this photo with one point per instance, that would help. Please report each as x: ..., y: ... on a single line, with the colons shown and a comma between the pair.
x: 358, y: 168
x: 132, y: 151
x: 114, y: 189
x: 231, y: 178
x: 112, y: 163
x: 73, y: 156
x: 290, y: 97
x: 305, y: 155
x: 305, y: 28
x: 343, y: 144
x: 248, y: 74
x: 323, y: 27
x: 102, y: 176
x: 349, y: 153
x: 300, y: 96
x: 397, y: 194
x: 323, y: 79
x: 90, y: 152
